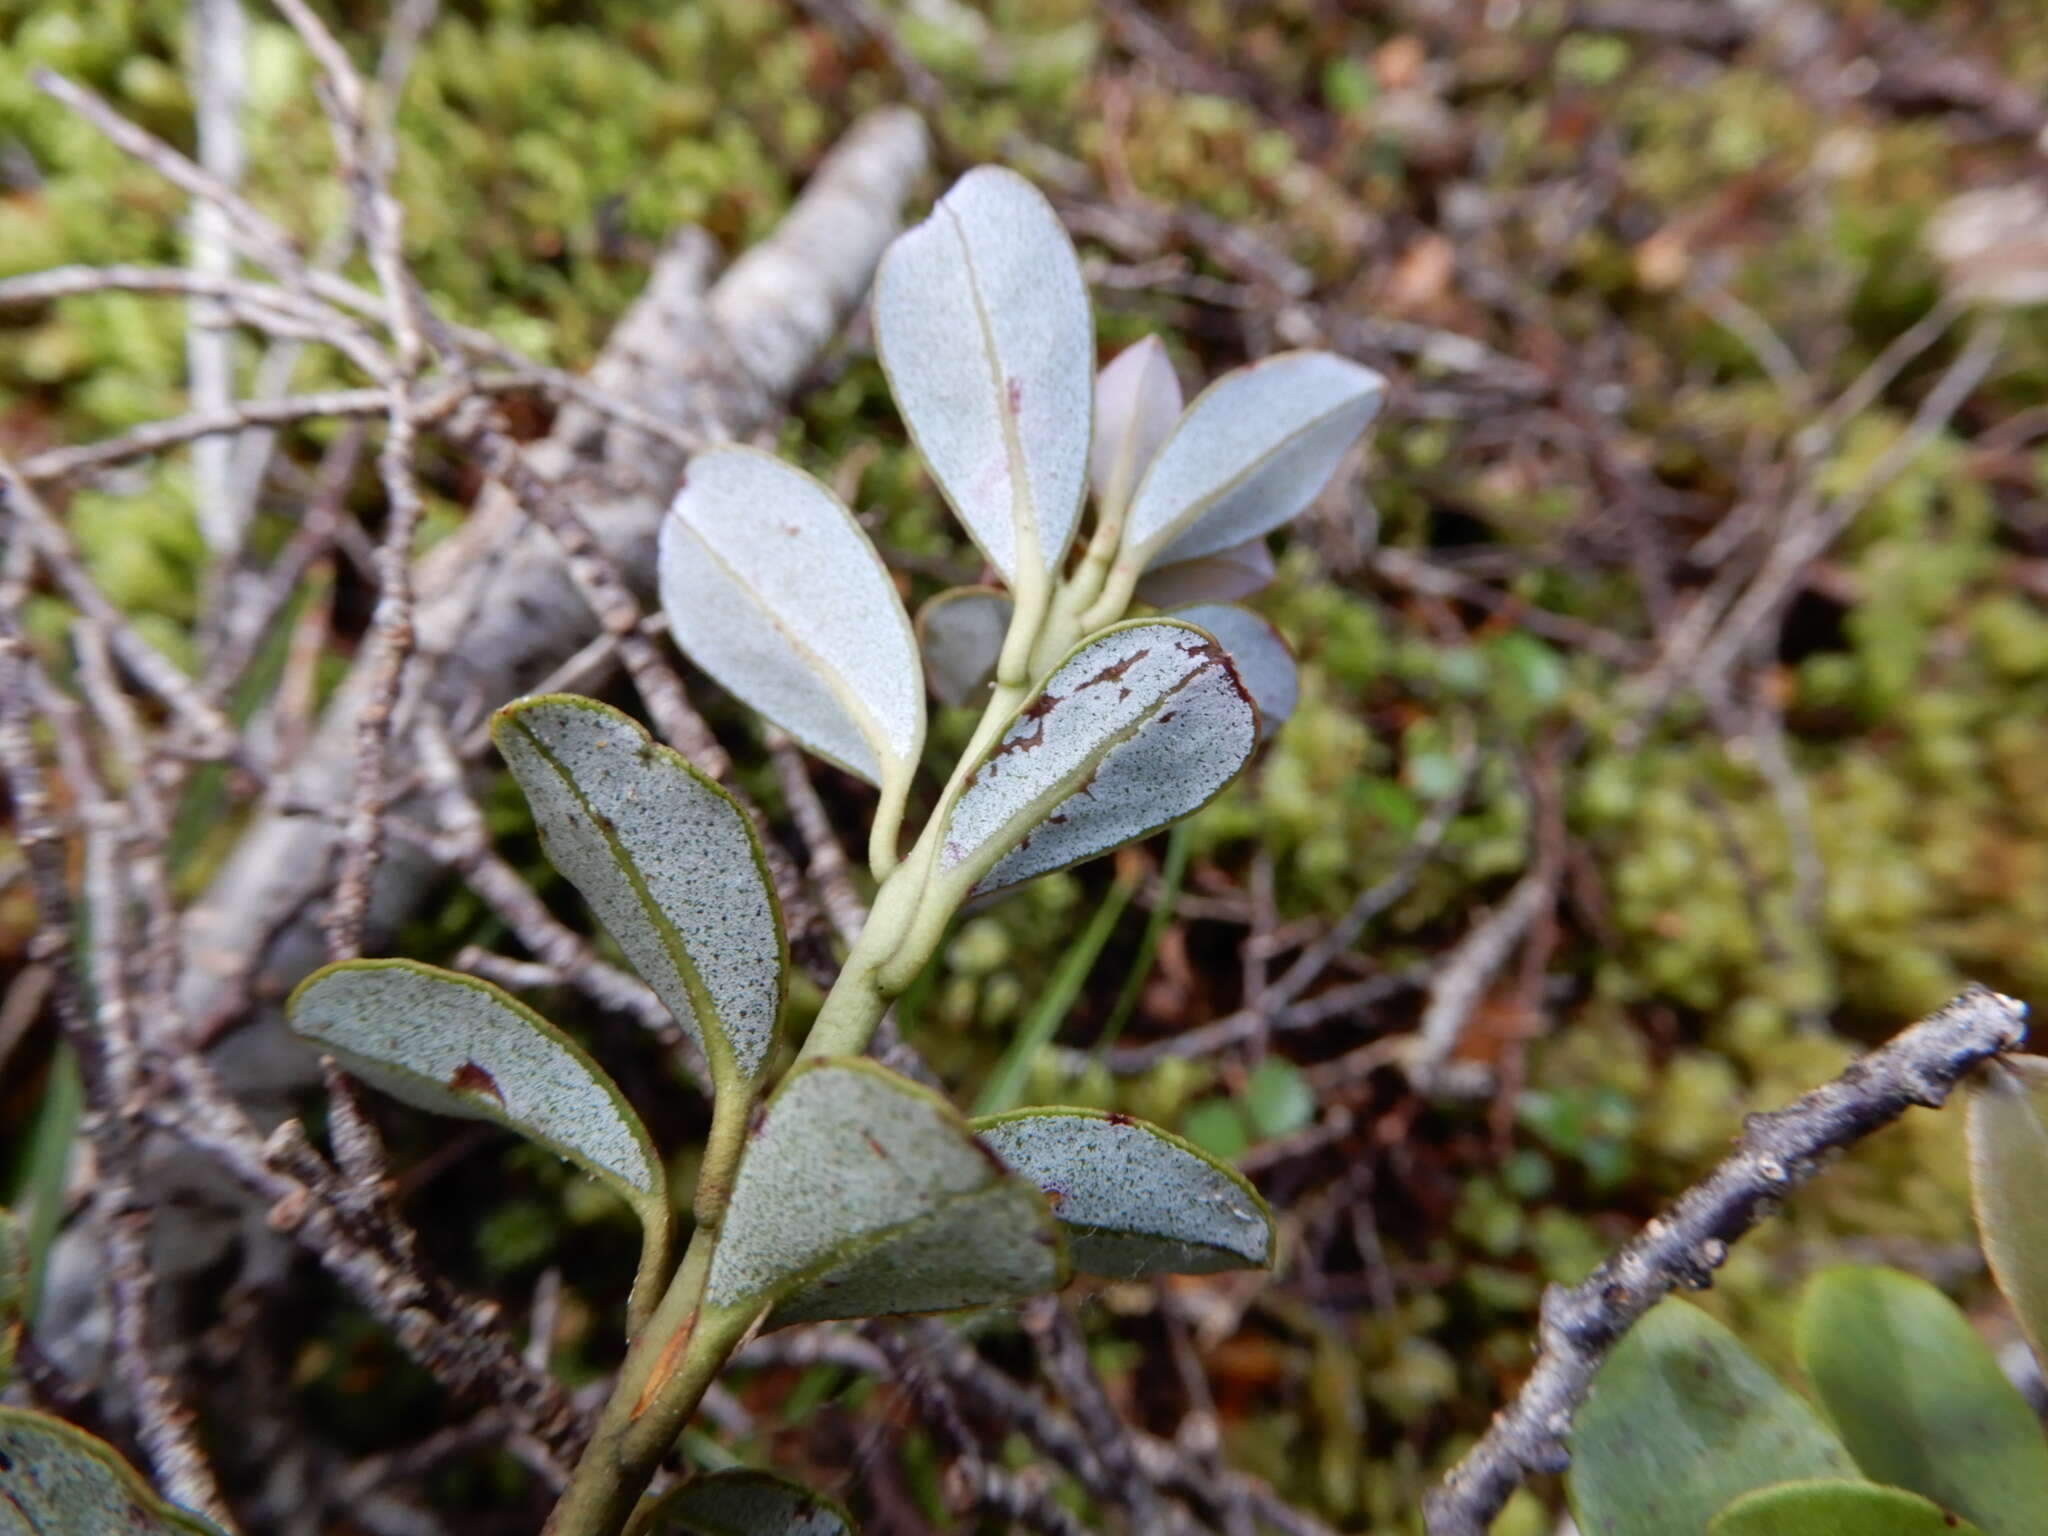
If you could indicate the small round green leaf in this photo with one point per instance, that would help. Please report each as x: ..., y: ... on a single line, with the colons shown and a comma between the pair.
x: 1141, y: 725
x: 1135, y: 1200
x: 668, y: 862
x: 2008, y: 1133
x: 861, y: 1194
x: 1919, y: 1400
x: 1681, y: 1420
x: 745, y: 1502
x: 1830, y: 1507
x: 56, y: 1480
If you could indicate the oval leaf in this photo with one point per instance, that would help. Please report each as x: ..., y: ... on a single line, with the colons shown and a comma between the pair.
x: 1251, y: 452
x: 1681, y: 1420
x: 1834, y: 1508
x: 1141, y: 725
x: 1264, y: 663
x: 960, y: 635
x: 668, y: 862
x: 771, y: 587
x: 56, y: 1480
x: 2008, y: 1132
x: 1223, y: 577
x: 982, y: 323
x: 1919, y: 1400
x: 862, y: 1195
x: 744, y: 1502
x: 1137, y: 401
x: 1135, y: 1200
x: 456, y: 1045
x: 13, y: 1290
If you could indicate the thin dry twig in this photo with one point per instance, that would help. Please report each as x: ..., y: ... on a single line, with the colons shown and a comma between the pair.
x: 1777, y: 1152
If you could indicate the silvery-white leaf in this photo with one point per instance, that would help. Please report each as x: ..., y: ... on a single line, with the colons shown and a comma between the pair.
x: 1135, y: 1200
x: 1223, y: 577
x: 1137, y: 401
x: 743, y: 1502
x: 56, y: 1480
x: 960, y: 633
x: 1141, y: 725
x: 456, y: 1045
x: 1253, y: 450
x: 862, y: 1194
x: 13, y: 1290
x: 771, y: 587
x: 1263, y: 660
x: 982, y: 323
x: 666, y: 859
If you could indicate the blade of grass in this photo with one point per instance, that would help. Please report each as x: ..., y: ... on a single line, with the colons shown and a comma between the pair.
x: 1173, y: 870
x: 1005, y: 1086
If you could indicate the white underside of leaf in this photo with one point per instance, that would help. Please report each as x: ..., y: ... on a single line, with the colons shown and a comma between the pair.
x: 1223, y: 577
x: 1264, y: 663
x: 771, y: 587
x: 960, y: 633
x: 982, y: 322
x: 56, y: 1480
x: 454, y: 1045
x: 860, y: 1190
x: 666, y: 860
x: 1138, y: 727
x: 1137, y: 401
x: 1250, y: 453
x: 1134, y: 1200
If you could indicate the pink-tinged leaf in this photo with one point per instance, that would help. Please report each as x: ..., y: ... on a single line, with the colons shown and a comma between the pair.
x: 1137, y: 401
x: 960, y: 635
x: 1141, y: 725
x: 1251, y: 452
x: 982, y: 322
x: 1222, y: 577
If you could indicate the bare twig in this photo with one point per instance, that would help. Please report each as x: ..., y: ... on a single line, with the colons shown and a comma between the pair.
x: 1778, y: 1152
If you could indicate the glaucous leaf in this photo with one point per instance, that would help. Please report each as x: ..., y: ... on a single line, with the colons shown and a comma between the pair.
x: 744, y: 1502
x: 861, y: 1194
x: 1919, y: 1400
x: 1682, y: 1419
x: 1137, y: 401
x: 1135, y: 1200
x: 1251, y: 452
x: 960, y: 634
x: 667, y: 861
x: 1141, y: 725
x: 1223, y: 577
x: 1265, y: 664
x: 456, y: 1045
x: 2008, y: 1134
x: 56, y: 1480
x: 771, y: 587
x: 13, y: 1290
x: 1831, y: 1507
x: 982, y: 323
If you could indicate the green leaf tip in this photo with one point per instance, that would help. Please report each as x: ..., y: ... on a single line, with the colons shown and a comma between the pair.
x: 1135, y: 1200
x: 1920, y: 1400
x: 57, y: 1480
x: 861, y: 1194
x: 1682, y: 1420
x: 1836, y: 1507
x: 669, y: 863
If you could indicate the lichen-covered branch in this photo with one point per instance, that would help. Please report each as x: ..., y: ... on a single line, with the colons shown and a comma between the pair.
x: 1777, y: 1152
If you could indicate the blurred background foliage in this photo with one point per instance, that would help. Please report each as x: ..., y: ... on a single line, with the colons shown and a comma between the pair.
x: 1591, y: 205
